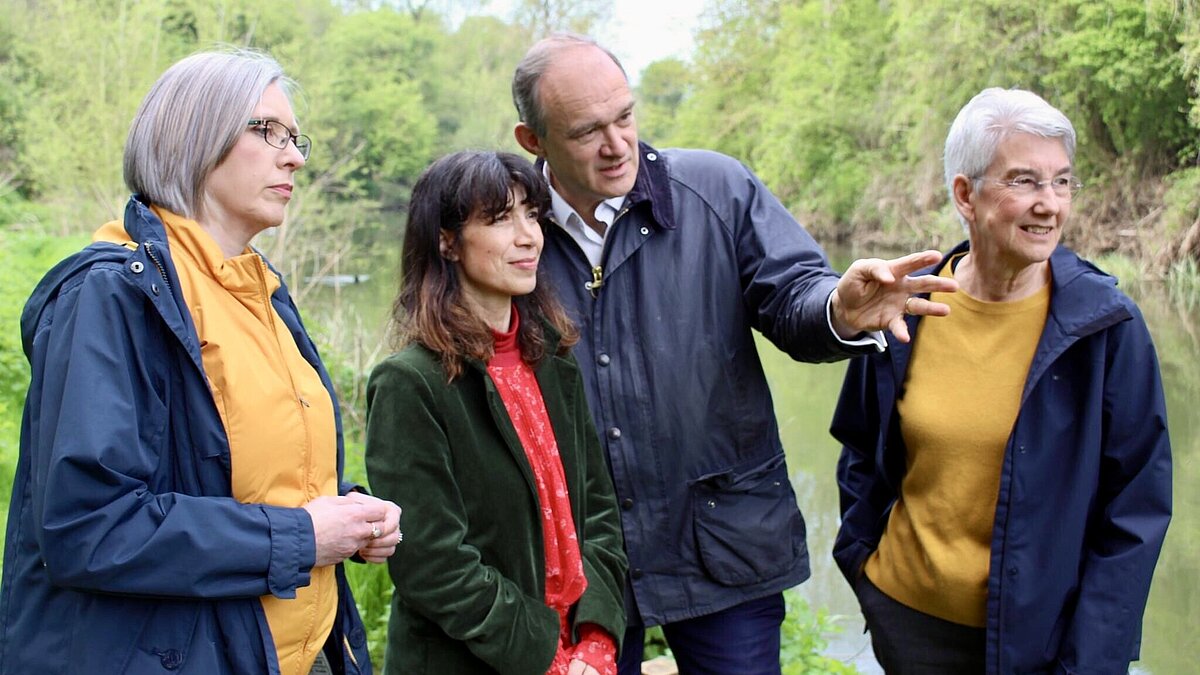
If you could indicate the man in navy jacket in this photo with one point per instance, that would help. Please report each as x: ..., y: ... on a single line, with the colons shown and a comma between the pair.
x: 668, y: 260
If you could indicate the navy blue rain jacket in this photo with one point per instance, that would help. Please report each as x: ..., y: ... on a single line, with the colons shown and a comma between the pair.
x: 700, y: 255
x: 1085, y: 486
x: 126, y: 552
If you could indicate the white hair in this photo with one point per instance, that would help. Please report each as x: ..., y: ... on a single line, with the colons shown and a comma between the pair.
x: 988, y: 119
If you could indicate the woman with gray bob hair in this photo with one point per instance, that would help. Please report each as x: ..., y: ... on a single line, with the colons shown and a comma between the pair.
x: 190, y: 119
x: 179, y: 501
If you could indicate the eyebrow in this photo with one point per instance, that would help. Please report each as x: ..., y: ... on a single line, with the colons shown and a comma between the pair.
x: 1020, y: 170
x: 294, y: 128
x: 577, y: 131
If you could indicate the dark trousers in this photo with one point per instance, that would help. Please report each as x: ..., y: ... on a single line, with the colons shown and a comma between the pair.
x: 741, y: 640
x: 911, y: 642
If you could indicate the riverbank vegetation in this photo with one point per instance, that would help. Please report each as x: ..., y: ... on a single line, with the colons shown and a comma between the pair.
x: 840, y: 105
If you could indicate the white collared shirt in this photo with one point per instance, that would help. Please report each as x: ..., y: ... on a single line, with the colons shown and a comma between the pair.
x: 590, y: 241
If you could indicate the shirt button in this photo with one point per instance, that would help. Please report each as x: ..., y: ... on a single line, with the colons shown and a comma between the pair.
x: 603, y: 359
x: 637, y: 573
x: 614, y: 433
x: 627, y: 503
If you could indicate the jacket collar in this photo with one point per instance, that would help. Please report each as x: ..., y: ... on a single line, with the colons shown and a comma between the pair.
x: 652, y: 188
x: 1082, y: 297
x: 141, y: 223
x: 1083, y: 301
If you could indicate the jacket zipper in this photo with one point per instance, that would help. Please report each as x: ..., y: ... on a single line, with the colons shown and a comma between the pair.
x: 154, y: 259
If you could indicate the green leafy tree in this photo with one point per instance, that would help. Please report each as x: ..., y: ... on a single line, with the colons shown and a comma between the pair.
x: 661, y: 90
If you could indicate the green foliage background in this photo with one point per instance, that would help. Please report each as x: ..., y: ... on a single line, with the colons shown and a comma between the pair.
x: 840, y: 105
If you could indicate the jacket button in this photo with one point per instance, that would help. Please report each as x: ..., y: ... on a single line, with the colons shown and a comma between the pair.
x: 603, y: 359
x: 1012, y: 571
x: 614, y: 433
x: 136, y: 266
x: 637, y: 573
x: 358, y: 637
x: 651, y: 156
x: 171, y: 659
x: 627, y: 503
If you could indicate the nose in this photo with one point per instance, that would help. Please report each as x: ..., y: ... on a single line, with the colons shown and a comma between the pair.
x: 614, y: 142
x: 291, y: 157
x: 1046, y: 201
x: 528, y: 231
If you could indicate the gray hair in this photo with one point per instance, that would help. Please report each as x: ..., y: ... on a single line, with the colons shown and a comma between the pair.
x: 189, y: 121
x: 534, y: 64
x: 988, y: 119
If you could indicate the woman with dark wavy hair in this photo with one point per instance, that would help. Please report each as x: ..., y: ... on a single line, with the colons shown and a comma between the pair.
x: 512, y: 560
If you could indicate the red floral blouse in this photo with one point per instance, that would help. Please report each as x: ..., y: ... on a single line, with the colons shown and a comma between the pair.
x: 565, y: 581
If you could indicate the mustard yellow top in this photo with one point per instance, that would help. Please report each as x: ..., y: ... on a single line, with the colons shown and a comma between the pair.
x: 277, y: 414
x: 962, y: 395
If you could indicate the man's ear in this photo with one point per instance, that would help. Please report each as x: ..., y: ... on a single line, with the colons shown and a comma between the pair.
x: 963, y: 189
x: 446, y: 245
x: 528, y: 139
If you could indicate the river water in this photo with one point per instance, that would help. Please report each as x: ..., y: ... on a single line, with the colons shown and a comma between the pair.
x: 805, y: 394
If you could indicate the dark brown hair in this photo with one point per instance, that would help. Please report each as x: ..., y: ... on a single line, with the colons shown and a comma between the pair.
x: 429, y: 308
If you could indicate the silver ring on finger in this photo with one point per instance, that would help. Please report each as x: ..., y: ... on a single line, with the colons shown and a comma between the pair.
x: 375, y: 531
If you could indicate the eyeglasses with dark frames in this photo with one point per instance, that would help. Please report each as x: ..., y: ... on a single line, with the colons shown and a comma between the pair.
x: 277, y: 135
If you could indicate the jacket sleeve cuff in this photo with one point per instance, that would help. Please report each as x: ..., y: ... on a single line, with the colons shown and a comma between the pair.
x: 872, y: 339
x: 346, y: 488
x: 293, y: 550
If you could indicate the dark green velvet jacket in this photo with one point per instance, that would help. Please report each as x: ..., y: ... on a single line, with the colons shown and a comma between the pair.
x: 470, y: 573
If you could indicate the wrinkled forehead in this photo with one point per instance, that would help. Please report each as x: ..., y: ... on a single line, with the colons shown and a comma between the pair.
x: 1021, y: 152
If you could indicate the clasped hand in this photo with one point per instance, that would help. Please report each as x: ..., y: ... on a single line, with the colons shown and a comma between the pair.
x: 356, y: 523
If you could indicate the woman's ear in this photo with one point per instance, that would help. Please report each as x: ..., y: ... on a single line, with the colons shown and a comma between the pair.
x: 964, y: 197
x: 446, y: 245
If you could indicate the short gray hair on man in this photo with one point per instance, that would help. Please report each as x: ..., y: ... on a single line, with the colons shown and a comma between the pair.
x: 988, y: 119
x: 189, y: 121
x: 534, y: 64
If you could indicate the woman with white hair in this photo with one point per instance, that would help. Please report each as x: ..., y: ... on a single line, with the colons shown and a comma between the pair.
x: 178, y: 503
x: 1006, y: 478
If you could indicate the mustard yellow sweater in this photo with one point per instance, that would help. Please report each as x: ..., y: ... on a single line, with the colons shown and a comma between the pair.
x: 962, y: 395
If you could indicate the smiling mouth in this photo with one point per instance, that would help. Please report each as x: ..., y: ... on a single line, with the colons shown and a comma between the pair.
x: 1038, y: 229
